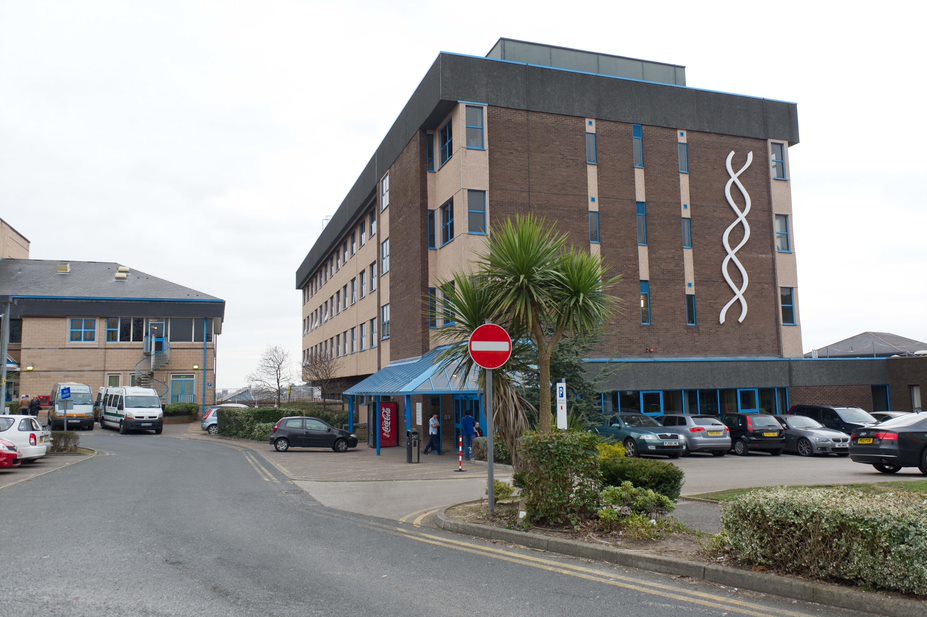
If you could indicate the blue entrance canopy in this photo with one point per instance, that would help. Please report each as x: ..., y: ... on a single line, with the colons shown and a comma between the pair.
x: 425, y: 376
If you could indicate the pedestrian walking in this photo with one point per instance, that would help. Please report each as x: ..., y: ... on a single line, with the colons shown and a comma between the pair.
x: 434, y: 441
x: 34, y: 406
x: 468, y: 430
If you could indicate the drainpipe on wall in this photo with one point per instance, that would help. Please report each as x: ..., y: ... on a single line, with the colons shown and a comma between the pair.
x: 4, y: 349
x: 206, y: 325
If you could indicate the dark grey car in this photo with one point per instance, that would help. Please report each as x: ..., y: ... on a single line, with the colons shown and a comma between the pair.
x: 700, y: 433
x: 808, y: 437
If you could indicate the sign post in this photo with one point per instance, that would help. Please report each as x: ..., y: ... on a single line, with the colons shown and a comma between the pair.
x: 490, y: 348
x: 561, y: 406
x: 65, y: 396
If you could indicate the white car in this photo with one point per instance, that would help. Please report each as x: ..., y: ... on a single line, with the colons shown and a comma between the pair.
x: 28, y: 435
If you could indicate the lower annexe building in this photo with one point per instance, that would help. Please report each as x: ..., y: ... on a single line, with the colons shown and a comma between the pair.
x: 685, y: 193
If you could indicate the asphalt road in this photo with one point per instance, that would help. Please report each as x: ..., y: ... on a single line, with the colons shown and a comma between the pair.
x: 156, y: 525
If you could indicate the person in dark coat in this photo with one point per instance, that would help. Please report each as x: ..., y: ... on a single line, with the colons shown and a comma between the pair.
x: 34, y: 407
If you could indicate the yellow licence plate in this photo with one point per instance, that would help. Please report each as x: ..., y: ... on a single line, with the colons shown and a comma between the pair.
x: 865, y: 441
x: 714, y: 433
x: 770, y: 434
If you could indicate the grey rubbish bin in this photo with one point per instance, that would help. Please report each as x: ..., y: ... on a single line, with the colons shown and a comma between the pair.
x: 413, y: 447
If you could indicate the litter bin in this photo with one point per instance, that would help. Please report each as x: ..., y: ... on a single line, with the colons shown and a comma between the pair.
x: 413, y: 447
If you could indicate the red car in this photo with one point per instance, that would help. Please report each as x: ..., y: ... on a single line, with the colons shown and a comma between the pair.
x: 9, y: 454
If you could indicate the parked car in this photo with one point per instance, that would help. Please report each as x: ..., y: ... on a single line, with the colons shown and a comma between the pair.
x: 26, y: 434
x: 756, y: 431
x: 9, y: 454
x: 699, y: 433
x: 844, y: 419
x: 882, y: 416
x: 305, y: 432
x: 900, y: 442
x: 210, y: 421
x: 808, y: 437
x: 641, y: 434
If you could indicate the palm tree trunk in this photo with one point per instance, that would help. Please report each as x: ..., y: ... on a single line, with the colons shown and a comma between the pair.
x: 544, y: 413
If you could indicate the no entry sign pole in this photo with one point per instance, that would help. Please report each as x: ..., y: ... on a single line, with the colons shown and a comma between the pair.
x: 490, y: 347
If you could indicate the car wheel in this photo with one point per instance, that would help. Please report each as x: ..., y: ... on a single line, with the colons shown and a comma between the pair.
x: 340, y: 445
x: 883, y: 468
x: 630, y: 447
x: 122, y: 428
x: 843, y: 454
x: 923, y: 465
x: 741, y: 448
x: 158, y: 430
x: 776, y: 452
x: 213, y: 429
x: 804, y: 447
x: 91, y: 427
x: 674, y: 455
x: 282, y: 444
x: 718, y: 452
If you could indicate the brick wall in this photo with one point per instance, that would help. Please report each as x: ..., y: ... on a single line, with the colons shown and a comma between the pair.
x: 839, y: 396
x: 904, y: 373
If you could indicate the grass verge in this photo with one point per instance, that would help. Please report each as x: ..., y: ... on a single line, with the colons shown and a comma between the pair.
x: 912, y: 486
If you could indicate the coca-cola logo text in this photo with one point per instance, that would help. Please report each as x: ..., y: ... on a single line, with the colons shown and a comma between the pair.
x: 386, y: 421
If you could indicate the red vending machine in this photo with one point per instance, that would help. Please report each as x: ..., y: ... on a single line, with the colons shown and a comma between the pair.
x: 389, y: 425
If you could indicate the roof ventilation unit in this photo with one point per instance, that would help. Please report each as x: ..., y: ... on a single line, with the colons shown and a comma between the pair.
x: 121, y: 276
x: 64, y: 267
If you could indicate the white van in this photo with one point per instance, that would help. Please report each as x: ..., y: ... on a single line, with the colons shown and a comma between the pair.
x: 131, y: 408
x: 79, y: 407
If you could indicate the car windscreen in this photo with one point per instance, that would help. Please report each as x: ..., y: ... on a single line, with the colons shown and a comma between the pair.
x: 802, y: 422
x: 5, y: 423
x: 854, y: 414
x: 143, y: 402
x: 918, y: 420
x: 765, y: 422
x: 77, y: 398
x: 645, y: 421
x: 707, y: 422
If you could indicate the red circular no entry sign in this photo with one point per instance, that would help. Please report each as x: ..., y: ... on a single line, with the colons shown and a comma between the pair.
x: 490, y: 346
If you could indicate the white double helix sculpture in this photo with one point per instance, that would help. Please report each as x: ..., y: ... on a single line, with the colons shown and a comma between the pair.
x: 725, y: 240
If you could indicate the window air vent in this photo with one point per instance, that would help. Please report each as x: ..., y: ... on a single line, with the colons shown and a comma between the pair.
x: 64, y: 268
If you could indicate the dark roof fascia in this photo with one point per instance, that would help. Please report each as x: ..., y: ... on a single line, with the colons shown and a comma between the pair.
x: 517, y: 85
x: 25, y: 306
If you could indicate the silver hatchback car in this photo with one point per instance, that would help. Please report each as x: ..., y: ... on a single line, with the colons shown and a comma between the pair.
x: 700, y: 433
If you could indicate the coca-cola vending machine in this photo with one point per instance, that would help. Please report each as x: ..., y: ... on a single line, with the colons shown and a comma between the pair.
x: 389, y: 425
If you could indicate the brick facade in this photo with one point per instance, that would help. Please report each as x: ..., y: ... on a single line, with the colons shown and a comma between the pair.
x: 839, y: 396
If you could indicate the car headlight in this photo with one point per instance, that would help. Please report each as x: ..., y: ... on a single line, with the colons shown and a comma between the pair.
x: 822, y: 439
x: 648, y: 437
x: 353, y: 435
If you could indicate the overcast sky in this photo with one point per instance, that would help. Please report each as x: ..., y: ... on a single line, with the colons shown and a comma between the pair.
x: 206, y: 142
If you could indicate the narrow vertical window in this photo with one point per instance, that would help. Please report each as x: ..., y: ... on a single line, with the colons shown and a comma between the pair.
x: 431, y: 229
x: 373, y: 276
x: 362, y: 335
x: 641, y: 223
x: 783, y: 239
x: 112, y: 329
x: 384, y: 321
x: 384, y: 192
x: 363, y: 233
x: 638, y: 146
x: 690, y: 309
x: 432, y: 307
x: 645, y: 303
x: 592, y: 155
x: 683, y: 158
x: 373, y: 224
x: 362, y: 276
x: 476, y: 212
x: 594, y: 227
x: 373, y: 333
x: 787, y: 300
x: 337, y: 302
x: 353, y: 242
x: 686, y: 233
x: 384, y: 256
x: 338, y: 345
x: 354, y: 291
x: 353, y: 341
x: 448, y: 309
x: 778, y: 161
x: 474, y: 127
x: 446, y: 142
x: 429, y: 151
x: 344, y: 297
x: 447, y: 222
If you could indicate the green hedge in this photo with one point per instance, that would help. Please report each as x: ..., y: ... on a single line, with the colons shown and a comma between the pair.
x: 837, y: 534
x: 244, y: 423
x: 660, y: 476
x: 560, y: 477
x: 480, y: 448
x: 181, y: 409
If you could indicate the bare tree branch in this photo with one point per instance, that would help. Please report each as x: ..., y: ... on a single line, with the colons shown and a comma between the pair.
x: 321, y: 370
x: 273, y: 372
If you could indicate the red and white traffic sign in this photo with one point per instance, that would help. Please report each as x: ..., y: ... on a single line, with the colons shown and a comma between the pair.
x: 490, y: 346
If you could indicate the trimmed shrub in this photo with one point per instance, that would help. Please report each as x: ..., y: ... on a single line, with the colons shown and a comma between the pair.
x: 181, y: 409
x: 608, y: 451
x: 64, y: 441
x: 660, y: 476
x: 560, y: 477
x: 502, y: 454
x: 502, y: 490
x: 262, y: 431
x: 628, y: 499
x: 838, y: 534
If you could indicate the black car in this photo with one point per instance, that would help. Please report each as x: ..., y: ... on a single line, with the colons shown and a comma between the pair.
x: 305, y: 432
x: 755, y: 431
x: 882, y: 416
x: 893, y: 444
x: 843, y: 419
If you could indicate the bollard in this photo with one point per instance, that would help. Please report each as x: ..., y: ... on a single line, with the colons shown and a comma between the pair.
x: 460, y: 454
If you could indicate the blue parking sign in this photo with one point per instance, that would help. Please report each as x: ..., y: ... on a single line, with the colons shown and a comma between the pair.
x: 65, y: 394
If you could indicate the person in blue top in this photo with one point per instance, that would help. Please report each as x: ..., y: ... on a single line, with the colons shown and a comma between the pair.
x: 467, y: 428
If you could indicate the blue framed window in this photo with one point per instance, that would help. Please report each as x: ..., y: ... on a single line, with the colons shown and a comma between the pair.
x: 651, y: 402
x: 783, y: 238
x: 431, y: 230
x: 445, y: 143
x: 429, y: 151
x: 690, y: 310
x: 594, y: 230
x: 83, y: 330
x: 384, y: 321
x: 432, y: 307
x: 778, y: 161
x: 474, y: 127
x: 686, y: 233
x: 787, y: 300
x: 748, y: 400
x: 384, y: 257
x: 447, y: 310
x: 112, y: 330
x: 476, y: 212
x: 683, y: 149
x: 638, y: 146
x: 447, y: 222
x: 592, y: 154
x: 641, y: 223
x: 645, y: 303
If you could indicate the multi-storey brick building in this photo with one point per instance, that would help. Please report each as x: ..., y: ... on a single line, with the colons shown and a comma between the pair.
x: 103, y: 324
x: 683, y: 192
